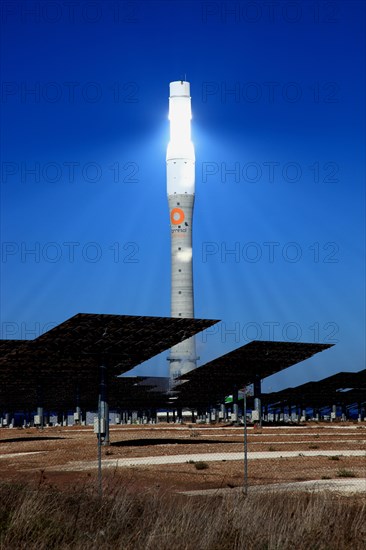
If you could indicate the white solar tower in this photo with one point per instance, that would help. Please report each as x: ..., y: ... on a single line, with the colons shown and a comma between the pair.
x: 180, y: 161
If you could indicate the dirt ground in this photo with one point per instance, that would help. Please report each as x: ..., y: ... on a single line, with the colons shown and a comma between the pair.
x: 48, y: 455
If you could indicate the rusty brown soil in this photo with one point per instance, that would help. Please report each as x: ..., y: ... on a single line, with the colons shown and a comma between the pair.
x: 40, y: 456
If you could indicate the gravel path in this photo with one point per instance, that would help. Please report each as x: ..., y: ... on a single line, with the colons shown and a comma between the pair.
x: 206, y: 457
x: 337, y: 485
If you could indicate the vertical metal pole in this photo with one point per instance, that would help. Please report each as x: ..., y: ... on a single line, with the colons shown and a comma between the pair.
x: 333, y: 415
x: 257, y: 398
x: 40, y: 411
x: 77, y: 407
x: 245, y: 488
x: 223, y: 411
x: 100, y: 486
x: 104, y: 401
x: 235, y: 409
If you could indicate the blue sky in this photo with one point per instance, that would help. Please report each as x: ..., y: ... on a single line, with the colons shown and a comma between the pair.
x: 279, y: 131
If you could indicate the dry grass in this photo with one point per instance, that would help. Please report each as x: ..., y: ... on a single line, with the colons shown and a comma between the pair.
x: 45, y: 518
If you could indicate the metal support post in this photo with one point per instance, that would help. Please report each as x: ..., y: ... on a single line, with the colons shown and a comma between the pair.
x: 104, y: 407
x: 245, y: 487
x: 235, y: 410
x: 257, y: 399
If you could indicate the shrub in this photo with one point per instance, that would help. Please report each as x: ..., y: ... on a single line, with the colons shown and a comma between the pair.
x: 345, y: 473
x: 201, y: 465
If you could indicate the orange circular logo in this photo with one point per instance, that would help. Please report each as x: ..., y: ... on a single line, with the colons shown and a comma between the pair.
x: 177, y: 216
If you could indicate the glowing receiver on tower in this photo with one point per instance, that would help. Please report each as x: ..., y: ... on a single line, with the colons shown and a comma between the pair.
x: 180, y: 160
x: 180, y: 153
